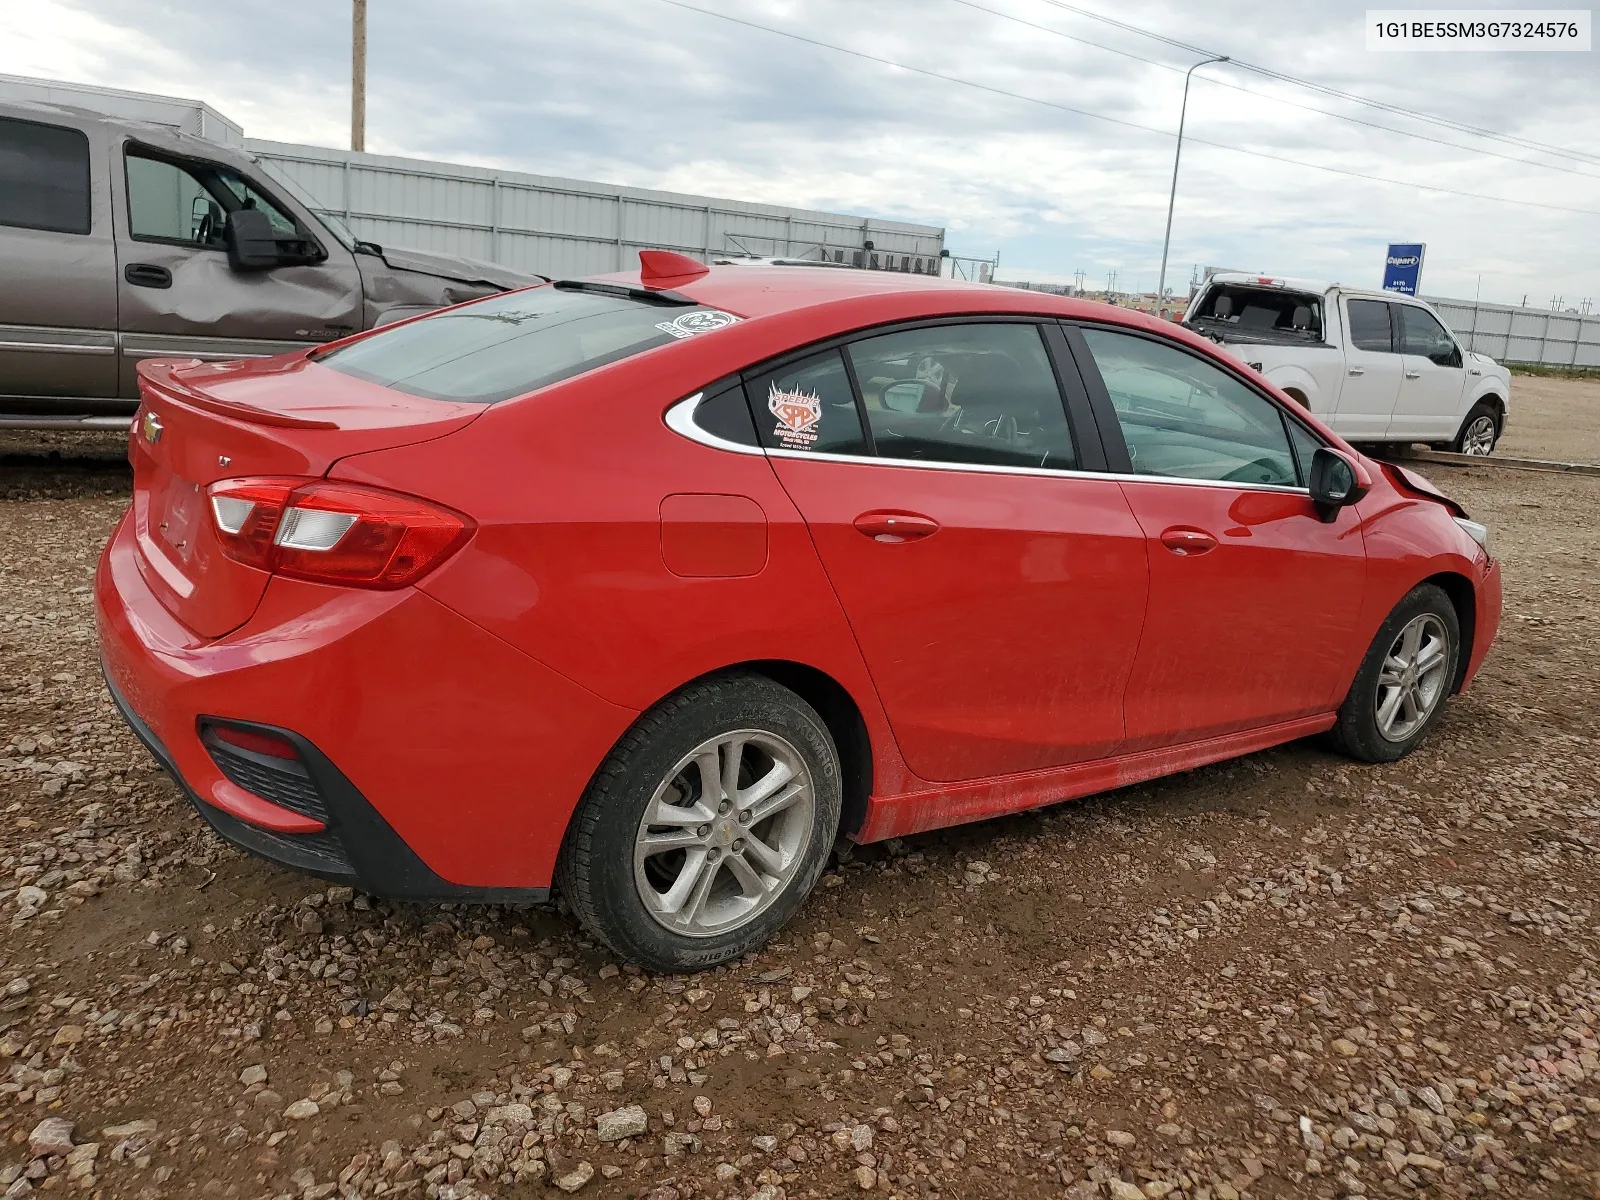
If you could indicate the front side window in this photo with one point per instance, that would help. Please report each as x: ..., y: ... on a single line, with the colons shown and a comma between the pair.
x: 807, y: 405
x: 1420, y: 334
x: 1187, y: 419
x: 976, y: 393
x: 515, y: 343
x: 188, y: 202
x: 1369, y: 325
x: 44, y: 177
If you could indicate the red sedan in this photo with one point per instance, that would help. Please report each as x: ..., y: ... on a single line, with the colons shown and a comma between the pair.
x: 649, y: 587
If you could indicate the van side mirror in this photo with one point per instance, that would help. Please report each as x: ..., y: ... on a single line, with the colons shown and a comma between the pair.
x: 252, y: 242
x: 1335, y: 482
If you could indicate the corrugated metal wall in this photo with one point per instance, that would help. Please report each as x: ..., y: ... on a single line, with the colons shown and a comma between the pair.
x: 1523, y: 335
x: 566, y: 227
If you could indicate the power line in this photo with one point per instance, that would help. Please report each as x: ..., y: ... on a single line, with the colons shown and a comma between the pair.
x: 1398, y: 109
x: 1082, y: 112
x: 1528, y: 162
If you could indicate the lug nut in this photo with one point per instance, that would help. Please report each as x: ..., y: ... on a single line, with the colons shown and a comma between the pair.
x: 713, y: 854
x: 703, y: 831
x: 724, y: 807
x: 738, y: 846
x: 744, y: 817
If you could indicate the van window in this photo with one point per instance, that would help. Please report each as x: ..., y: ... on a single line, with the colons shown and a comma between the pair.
x: 44, y: 177
x: 514, y: 343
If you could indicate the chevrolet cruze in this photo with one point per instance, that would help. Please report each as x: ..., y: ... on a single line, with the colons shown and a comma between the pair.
x: 647, y: 588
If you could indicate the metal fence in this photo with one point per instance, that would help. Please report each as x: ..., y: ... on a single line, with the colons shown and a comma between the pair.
x: 567, y: 227
x: 1523, y: 335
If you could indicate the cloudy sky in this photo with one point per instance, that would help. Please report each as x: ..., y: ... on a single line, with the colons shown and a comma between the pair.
x: 649, y: 93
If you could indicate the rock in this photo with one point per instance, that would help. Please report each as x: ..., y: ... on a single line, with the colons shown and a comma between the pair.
x: 1345, y: 1047
x: 31, y: 897
x: 621, y: 1123
x: 128, y: 1129
x: 1120, y: 1138
x: 253, y: 1075
x: 302, y: 1110
x: 68, y: 1035
x: 1158, y: 1188
x: 861, y: 1138
x: 702, y: 1105
x: 396, y: 1001
x: 267, y: 1098
x: 1562, y: 1124
x: 766, y: 1143
x: 53, y: 1135
x: 866, y: 1178
x: 577, y: 1177
x: 1125, y: 1191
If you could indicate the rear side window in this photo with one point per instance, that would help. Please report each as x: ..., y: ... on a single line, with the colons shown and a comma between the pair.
x: 1369, y: 325
x: 807, y: 405
x: 44, y: 177
x: 515, y: 343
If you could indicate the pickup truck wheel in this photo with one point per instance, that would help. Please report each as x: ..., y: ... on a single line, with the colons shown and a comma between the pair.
x: 1401, y: 686
x: 1479, y: 432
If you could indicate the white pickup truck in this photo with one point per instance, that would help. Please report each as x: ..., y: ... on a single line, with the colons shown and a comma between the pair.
x: 1375, y: 366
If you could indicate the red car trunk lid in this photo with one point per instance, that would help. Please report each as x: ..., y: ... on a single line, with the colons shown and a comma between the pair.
x: 282, y: 416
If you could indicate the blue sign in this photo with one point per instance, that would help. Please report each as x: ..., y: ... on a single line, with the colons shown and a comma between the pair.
x: 1402, y: 268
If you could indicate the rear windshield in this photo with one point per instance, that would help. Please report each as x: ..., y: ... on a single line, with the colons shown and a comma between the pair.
x: 1261, y: 309
x: 511, y: 344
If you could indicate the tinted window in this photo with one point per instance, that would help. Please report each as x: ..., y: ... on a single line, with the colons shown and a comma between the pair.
x: 1184, y: 418
x: 808, y: 405
x: 44, y: 177
x: 511, y: 344
x: 971, y: 393
x: 727, y: 416
x: 188, y: 202
x: 1369, y: 325
x: 1421, y: 334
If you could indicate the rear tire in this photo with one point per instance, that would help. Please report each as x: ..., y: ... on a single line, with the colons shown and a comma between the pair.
x: 707, y: 825
x: 1405, y: 678
x: 1479, y: 432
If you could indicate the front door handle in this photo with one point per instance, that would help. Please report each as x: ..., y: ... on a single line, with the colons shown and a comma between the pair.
x: 1413, y: 374
x: 147, y: 275
x: 1358, y: 370
x: 892, y: 527
x: 1186, y: 542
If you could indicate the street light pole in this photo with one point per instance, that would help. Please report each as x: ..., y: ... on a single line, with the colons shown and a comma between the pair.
x: 358, y: 75
x: 1166, y: 242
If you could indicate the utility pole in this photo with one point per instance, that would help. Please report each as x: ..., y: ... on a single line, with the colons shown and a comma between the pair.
x: 1172, y: 198
x: 358, y: 75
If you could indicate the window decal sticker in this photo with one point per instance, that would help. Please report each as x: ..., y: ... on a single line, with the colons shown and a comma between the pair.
x: 799, y: 413
x: 690, y: 323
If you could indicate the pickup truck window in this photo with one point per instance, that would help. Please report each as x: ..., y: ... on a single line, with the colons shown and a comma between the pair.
x: 1422, y: 335
x: 1182, y: 417
x: 181, y: 202
x: 515, y: 343
x: 1271, y: 313
x: 1369, y: 325
x: 44, y: 177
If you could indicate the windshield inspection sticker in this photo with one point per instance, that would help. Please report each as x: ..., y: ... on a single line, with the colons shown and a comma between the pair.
x: 691, y: 323
x: 799, y: 414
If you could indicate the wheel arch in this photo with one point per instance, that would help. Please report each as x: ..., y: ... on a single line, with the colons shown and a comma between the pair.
x: 1464, y: 599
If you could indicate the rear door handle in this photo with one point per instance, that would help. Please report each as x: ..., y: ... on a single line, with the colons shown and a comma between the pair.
x: 1413, y: 374
x: 1358, y: 370
x: 147, y: 275
x: 1186, y: 542
x: 892, y: 527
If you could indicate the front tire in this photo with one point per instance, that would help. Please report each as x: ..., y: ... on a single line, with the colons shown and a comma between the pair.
x: 1479, y: 432
x: 1400, y: 689
x: 706, y: 827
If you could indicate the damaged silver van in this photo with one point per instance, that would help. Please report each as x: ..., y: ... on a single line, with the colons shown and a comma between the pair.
x: 124, y: 240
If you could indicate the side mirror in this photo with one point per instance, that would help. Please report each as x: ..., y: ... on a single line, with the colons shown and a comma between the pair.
x: 252, y: 242
x: 1335, y: 482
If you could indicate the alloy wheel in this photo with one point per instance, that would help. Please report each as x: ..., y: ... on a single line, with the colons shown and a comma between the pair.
x: 1412, y: 680
x: 724, y: 833
x: 1478, y: 440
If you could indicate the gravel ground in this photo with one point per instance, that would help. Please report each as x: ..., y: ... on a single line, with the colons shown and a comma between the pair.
x: 1554, y: 418
x: 1289, y: 975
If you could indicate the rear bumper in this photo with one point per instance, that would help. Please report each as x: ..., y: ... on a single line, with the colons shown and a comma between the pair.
x: 447, y: 763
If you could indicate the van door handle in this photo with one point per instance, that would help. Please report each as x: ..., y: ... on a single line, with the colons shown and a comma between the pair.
x: 147, y: 275
x: 892, y: 527
x: 1185, y: 542
x: 1358, y: 370
x: 1413, y: 374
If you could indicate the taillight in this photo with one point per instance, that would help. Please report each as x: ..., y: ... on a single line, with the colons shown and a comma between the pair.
x: 333, y: 532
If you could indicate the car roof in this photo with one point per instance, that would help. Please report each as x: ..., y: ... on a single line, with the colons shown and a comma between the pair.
x: 760, y: 291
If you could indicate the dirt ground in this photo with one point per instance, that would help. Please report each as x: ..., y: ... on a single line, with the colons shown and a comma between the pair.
x: 1289, y: 975
x: 1554, y: 419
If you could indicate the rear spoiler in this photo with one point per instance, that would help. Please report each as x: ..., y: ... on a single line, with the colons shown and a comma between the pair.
x: 159, y: 375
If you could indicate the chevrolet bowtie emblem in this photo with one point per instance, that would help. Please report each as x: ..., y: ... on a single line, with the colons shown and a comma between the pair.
x: 153, y: 427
